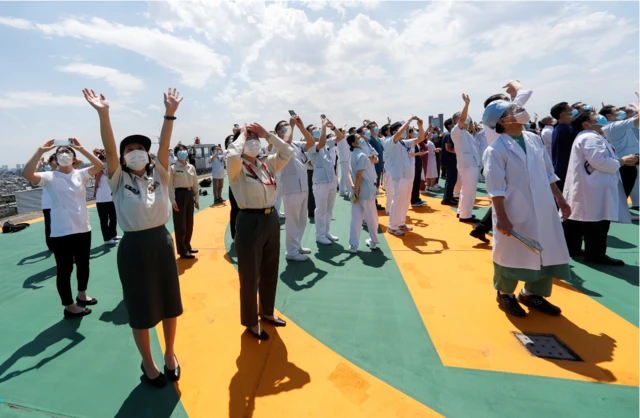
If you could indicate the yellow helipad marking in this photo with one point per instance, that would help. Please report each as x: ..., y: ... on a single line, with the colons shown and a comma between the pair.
x: 450, y: 275
x: 227, y: 373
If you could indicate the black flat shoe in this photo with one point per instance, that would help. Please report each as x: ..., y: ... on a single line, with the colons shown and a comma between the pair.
x: 69, y: 314
x: 93, y: 301
x: 172, y: 375
x: 158, y: 382
x: 192, y: 251
x: 469, y: 220
x: 479, y: 235
x: 277, y: 323
x: 262, y: 336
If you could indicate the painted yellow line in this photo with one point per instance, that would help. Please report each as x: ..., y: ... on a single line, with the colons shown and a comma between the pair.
x: 450, y: 275
x: 227, y: 373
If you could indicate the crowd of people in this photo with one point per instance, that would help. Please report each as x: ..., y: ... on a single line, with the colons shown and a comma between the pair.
x: 553, y: 184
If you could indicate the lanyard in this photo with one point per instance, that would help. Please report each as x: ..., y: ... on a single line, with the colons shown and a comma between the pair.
x: 253, y: 173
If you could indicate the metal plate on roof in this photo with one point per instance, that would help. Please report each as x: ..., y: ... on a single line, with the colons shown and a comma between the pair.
x: 546, y: 346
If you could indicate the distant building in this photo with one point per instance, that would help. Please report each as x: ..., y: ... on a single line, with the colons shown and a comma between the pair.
x: 5, y: 168
x: 438, y: 122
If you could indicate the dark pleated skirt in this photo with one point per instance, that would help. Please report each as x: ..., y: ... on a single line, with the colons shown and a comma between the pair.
x: 149, y: 276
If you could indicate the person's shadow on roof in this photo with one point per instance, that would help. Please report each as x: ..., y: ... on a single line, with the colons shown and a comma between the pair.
x: 295, y: 273
x: 148, y: 401
x: 35, y: 258
x: 31, y: 281
x: 64, y: 329
x: 263, y: 370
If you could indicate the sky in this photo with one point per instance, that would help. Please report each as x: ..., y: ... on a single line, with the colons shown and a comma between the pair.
x: 248, y: 61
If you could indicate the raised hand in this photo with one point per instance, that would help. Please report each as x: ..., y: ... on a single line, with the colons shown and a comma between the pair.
x: 172, y: 100
x: 330, y: 124
x: 420, y: 123
x: 99, y: 103
x: 74, y: 143
x: 296, y: 121
x: 512, y: 87
x: 325, y: 123
x: 48, y: 146
x: 258, y: 130
x: 465, y: 98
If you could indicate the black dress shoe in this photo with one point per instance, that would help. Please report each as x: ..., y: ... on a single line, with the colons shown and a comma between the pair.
x: 262, y: 336
x: 86, y: 302
x: 158, y: 382
x: 449, y: 202
x: 510, y: 305
x: 539, y: 303
x: 192, y: 251
x: 470, y: 219
x: 172, y: 375
x: 479, y: 235
x: 69, y: 314
x: 606, y: 260
x: 188, y: 256
x: 277, y: 323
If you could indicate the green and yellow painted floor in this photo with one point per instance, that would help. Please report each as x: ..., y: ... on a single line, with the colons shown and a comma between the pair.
x: 412, y: 330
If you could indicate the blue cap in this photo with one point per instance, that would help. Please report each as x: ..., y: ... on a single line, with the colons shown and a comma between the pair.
x: 494, y: 112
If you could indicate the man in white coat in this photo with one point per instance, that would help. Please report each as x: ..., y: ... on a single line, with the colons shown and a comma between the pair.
x: 594, y: 190
x: 468, y: 160
x: 295, y: 188
x: 547, y: 132
x: 344, y: 156
x: 517, y: 169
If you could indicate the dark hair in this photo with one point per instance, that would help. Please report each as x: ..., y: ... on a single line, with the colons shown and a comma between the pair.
x: 385, y: 129
x: 558, y: 109
x: 278, y: 125
x: 228, y: 140
x: 371, y: 125
x: 67, y: 148
x: 351, y: 130
x: 394, y: 127
x: 52, y: 158
x: 607, y: 110
x: 179, y: 147
x: 448, y: 124
x: 540, y: 125
x: 495, y: 97
x: 576, y: 122
x: 350, y: 140
x: 576, y: 104
x: 360, y: 130
x: 309, y: 126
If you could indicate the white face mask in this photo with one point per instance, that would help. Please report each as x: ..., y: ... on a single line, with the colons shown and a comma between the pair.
x: 252, y: 148
x: 137, y: 160
x: 522, y: 117
x: 64, y: 159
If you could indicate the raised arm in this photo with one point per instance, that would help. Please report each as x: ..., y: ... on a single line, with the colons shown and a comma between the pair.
x: 465, y: 111
x: 95, y: 161
x: 101, y: 105
x: 323, y: 136
x: 172, y: 100
x: 398, y: 135
x: 29, y: 170
x: 234, y: 155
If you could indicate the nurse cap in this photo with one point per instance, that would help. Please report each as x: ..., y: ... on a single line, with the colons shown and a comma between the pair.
x: 494, y: 112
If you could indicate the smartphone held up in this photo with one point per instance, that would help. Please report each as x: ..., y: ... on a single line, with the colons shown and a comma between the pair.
x: 63, y: 142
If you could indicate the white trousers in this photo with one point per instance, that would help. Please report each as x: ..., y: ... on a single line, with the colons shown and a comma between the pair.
x: 458, y: 186
x: 468, y: 178
x: 344, y: 180
x: 325, y: 195
x: 363, y: 209
x: 295, y: 206
x: 388, y: 188
x: 400, y: 203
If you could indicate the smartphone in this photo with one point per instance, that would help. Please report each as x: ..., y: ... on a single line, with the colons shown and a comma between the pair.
x: 62, y: 142
x: 292, y: 113
x: 235, y: 125
x: 323, y: 116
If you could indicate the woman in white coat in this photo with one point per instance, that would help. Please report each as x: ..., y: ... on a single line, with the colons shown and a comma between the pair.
x: 594, y: 190
x: 521, y: 183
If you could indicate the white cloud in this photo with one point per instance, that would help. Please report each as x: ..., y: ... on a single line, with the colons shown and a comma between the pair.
x: 121, y: 82
x: 24, y: 99
x: 195, y: 62
x: 155, y: 108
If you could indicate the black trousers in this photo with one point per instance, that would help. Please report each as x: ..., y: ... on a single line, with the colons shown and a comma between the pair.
x: 415, y: 189
x: 47, y: 228
x: 593, y: 233
x: 486, y: 224
x: 450, y: 183
x: 108, y: 220
x: 311, y: 202
x: 233, y: 214
x: 628, y: 175
x: 183, y: 220
x: 67, y: 250
x: 257, y: 245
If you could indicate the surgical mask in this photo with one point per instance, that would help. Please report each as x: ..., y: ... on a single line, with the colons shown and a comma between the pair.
x: 171, y: 153
x: 574, y: 113
x: 137, y: 159
x: 368, y: 134
x: 182, y: 155
x: 285, y: 129
x: 316, y: 134
x: 601, y: 120
x: 588, y: 108
x: 47, y: 168
x: 467, y: 120
x: 621, y: 115
x: 361, y: 143
x: 252, y: 148
x: 64, y: 159
x: 527, y: 125
x: 376, y: 130
x: 522, y: 117
x: 434, y: 136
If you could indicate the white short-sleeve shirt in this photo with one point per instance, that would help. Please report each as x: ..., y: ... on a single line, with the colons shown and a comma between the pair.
x: 68, y: 196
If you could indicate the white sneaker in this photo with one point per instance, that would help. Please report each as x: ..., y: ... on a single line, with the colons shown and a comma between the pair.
x: 324, y: 240
x: 117, y: 238
x: 395, y: 232
x: 332, y: 237
x: 371, y: 244
x: 297, y: 257
x: 111, y: 242
x: 353, y: 249
x: 406, y: 228
x: 304, y: 250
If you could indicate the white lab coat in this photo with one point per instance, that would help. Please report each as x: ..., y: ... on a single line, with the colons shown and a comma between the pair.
x: 546, y: 135
x: 517, y: 176
x: 598, y: 196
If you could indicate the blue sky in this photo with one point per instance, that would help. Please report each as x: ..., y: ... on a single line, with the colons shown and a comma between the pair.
x: 252, y: 61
